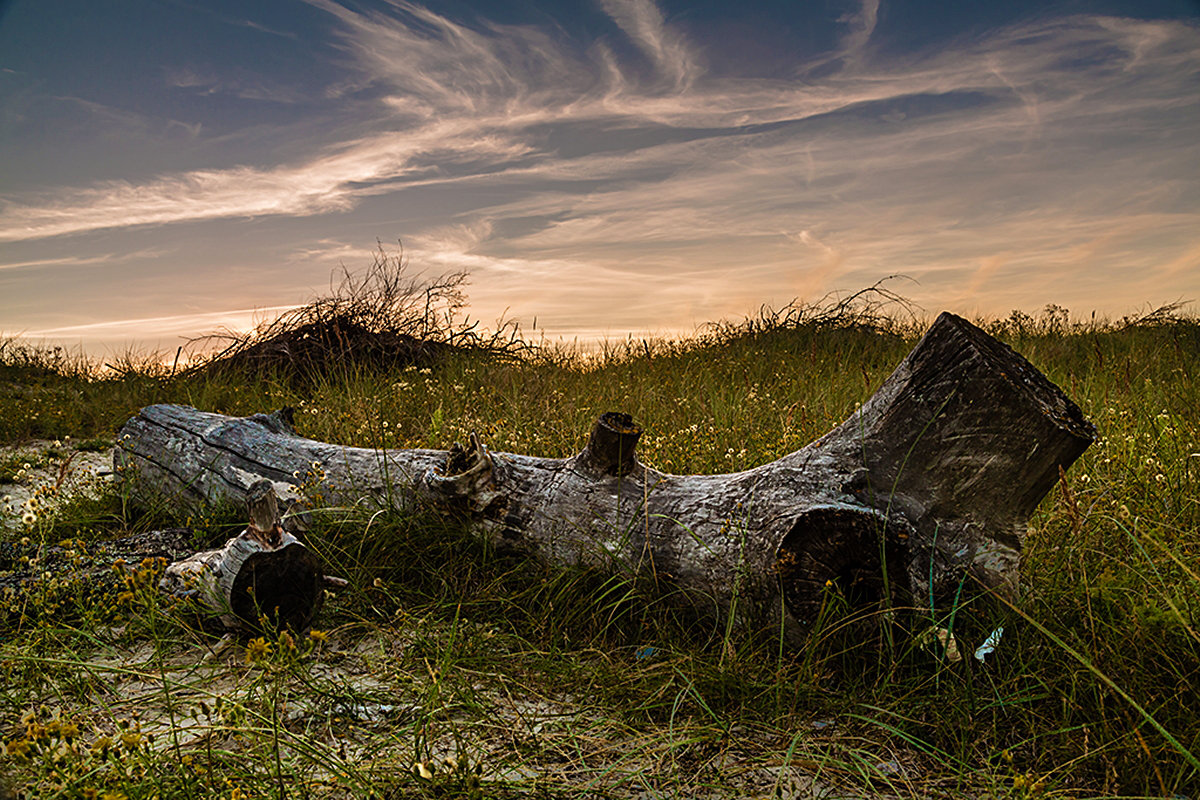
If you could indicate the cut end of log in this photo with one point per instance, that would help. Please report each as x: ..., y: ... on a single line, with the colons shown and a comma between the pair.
x: 611, y: 450
x: 263, y: 577
x: 964, y: 439
x: 251, y: 584
x: 1040, y: 391
x: 838, y: 548
x: 284, y: 587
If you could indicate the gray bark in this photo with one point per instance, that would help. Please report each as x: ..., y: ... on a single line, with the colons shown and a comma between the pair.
x: 933, y: 478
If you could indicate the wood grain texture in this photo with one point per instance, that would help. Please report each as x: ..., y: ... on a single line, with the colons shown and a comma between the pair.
x: 933, y: 478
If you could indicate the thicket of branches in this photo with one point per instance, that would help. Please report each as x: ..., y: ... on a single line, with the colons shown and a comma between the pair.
x: 875, y: 309
x: 380, y: 317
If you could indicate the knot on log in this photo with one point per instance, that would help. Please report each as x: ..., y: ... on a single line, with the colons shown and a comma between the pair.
x: 281, y: 421
x: 610, y: 451
x: 469, y: 477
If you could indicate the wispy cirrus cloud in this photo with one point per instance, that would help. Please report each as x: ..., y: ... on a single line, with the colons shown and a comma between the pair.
x: 432, y: 64
x: 83, y: 261
x: 245, y: 87
x: 171, y: 324
x: 667, y: 50
x: 485, y: 94
x: 331, y: 181
x: 860, y: 27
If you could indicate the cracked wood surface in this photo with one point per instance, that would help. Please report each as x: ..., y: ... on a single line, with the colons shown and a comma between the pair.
x: 932, y: 478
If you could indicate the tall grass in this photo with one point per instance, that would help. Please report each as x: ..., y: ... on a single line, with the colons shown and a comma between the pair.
x: 551, y: 682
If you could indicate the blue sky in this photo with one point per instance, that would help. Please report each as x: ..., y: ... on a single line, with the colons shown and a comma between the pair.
x: 611, y: 166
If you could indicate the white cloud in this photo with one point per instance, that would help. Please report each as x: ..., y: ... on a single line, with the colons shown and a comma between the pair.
x: 332, y: 181
x: 483, y: 96
x: 667, y: 50
x: 861, y: 26
x: 177, y: 324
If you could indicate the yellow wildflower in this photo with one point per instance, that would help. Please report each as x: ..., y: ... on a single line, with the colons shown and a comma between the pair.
x: 257, y: 650
x: 17, y: 748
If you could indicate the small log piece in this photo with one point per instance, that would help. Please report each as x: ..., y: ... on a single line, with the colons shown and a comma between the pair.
x: 262, y: 573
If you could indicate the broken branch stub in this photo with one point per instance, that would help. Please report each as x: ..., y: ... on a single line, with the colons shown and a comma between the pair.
x: 610, y: 450
x: 933, y: 477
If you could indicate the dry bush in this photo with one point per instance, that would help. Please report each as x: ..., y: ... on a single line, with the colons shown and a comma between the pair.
x: 875, y: 309
x: 380, y: 317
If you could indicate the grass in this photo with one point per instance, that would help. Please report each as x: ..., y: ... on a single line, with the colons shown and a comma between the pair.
x: 449, y: 670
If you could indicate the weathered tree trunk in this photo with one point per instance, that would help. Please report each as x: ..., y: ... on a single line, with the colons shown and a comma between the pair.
x: 932, y: 478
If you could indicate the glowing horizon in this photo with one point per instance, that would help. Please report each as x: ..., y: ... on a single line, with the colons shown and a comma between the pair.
x: 618, y: 166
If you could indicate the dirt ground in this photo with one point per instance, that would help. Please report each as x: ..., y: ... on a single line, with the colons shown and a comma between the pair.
x: 56, y: 470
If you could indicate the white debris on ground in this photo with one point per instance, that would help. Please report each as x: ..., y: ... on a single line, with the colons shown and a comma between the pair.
x: 38, y: 475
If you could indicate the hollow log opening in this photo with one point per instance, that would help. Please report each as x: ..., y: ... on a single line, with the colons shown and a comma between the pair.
x: 283, y: 586
x: 844, y: 549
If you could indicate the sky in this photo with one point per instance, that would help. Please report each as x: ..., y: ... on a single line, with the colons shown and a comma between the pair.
x: 600, y: 167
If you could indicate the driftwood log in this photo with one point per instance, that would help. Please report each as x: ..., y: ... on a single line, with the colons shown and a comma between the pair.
x: 930, y: 481
x: 262, y: 574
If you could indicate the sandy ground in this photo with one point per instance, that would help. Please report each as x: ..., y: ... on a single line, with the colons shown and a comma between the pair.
x: 358, y: 704
x: 56, y: 470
